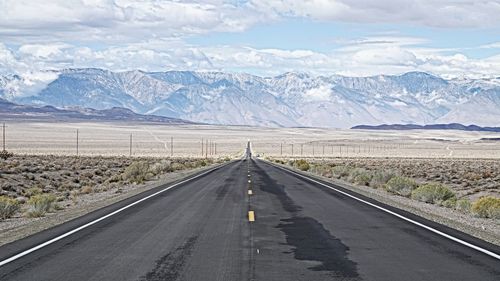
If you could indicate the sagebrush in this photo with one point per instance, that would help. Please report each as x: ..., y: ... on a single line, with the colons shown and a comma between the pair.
x: 8, y: 207
x: 39, y: 205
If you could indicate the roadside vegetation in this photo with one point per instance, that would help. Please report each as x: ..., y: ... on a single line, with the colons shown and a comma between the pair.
x: 395, y: 182
x: 33, y: 186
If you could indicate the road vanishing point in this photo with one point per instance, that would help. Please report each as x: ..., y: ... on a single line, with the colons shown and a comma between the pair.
x: 249, y: 220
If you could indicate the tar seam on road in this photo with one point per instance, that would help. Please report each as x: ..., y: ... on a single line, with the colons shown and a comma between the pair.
x: 26, y: 252
x: 460, y: 241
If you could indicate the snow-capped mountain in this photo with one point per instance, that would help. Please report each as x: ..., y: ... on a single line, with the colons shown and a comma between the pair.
x: 290, y: 99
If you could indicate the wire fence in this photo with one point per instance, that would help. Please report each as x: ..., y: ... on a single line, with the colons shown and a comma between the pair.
x: 115, y: 142
x: 377, y: 148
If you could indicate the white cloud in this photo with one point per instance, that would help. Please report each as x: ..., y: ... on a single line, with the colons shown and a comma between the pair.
x: 42, y: 51
x: 495, y: 45
x: 161, y: 55
x: 323, y: 92
x: 123, y: 21
x: 435, y: 13
x: 30, y: 84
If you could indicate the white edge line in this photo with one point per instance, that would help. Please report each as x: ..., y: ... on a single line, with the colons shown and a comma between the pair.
x: 458, y: 240
x: 26, y: 252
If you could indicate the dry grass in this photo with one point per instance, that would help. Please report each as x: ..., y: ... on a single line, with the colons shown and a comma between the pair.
x: 39, y: 205
x: 487, y: 207
x: 8, y: 207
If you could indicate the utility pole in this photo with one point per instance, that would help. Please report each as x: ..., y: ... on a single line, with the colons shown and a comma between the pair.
x: 76, y: 141
x: 171, y: 146
x: 3, y: 136
x: 281, y: 149
x: 323, y: 150
x: 206, y: 148
x: 292, y: 149
x: 215, y: 148
x: 130, y: 146
x: 202, y: 147
x: 301, y: 149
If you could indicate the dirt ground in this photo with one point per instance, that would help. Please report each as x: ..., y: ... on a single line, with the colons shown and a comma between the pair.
x: 159, y: 140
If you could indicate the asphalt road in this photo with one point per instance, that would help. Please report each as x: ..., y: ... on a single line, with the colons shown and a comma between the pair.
x: 200, y: 230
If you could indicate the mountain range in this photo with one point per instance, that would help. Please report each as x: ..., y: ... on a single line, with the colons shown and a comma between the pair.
x: 452, y: 126
x: 9, y: 110
x: 291, y: 99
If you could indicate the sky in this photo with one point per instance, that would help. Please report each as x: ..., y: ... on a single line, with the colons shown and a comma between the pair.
x: 449, y: 38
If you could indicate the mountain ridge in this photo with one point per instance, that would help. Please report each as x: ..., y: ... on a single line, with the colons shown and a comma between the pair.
x: 450, y: 126
x: 12, y: 111
x: 288, y: 100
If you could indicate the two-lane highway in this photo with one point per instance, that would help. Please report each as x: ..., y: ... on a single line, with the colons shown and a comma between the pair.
x: 200, y: 230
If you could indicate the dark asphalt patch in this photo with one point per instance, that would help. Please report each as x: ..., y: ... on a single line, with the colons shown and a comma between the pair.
x: 221, y: 191
x: 311, y: 241
x: 271, y: 186
x: 170, y: 266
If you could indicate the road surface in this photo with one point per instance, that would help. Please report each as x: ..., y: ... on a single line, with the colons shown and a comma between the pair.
x: 200, y: 230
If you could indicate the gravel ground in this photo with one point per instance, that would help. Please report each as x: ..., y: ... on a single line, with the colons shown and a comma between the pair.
x: 485, y: 229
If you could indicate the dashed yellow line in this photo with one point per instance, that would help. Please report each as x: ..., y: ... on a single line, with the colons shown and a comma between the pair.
x: 251, y: 216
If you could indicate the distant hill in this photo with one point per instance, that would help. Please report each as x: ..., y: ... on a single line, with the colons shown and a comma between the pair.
x: 12, y: 111
x: 451, y: 126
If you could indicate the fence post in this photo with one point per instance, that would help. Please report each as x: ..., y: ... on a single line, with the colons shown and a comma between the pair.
x: 77, y: 142
x: 130, y: 146
x: 3, y: 136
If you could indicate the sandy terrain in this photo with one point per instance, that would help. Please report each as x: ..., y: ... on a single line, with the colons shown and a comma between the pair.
x: 154, y: 140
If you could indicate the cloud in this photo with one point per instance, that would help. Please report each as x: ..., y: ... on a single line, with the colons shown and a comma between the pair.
x: 433, y: 13
x: 119, y: 21
x: 32, y: 79
x: 30, y: 84
x: 323, y: 92
x: 495, y: 45
x: 160, y: 55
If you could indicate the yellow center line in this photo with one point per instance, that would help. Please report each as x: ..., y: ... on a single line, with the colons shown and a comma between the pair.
x: 251, y: 216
